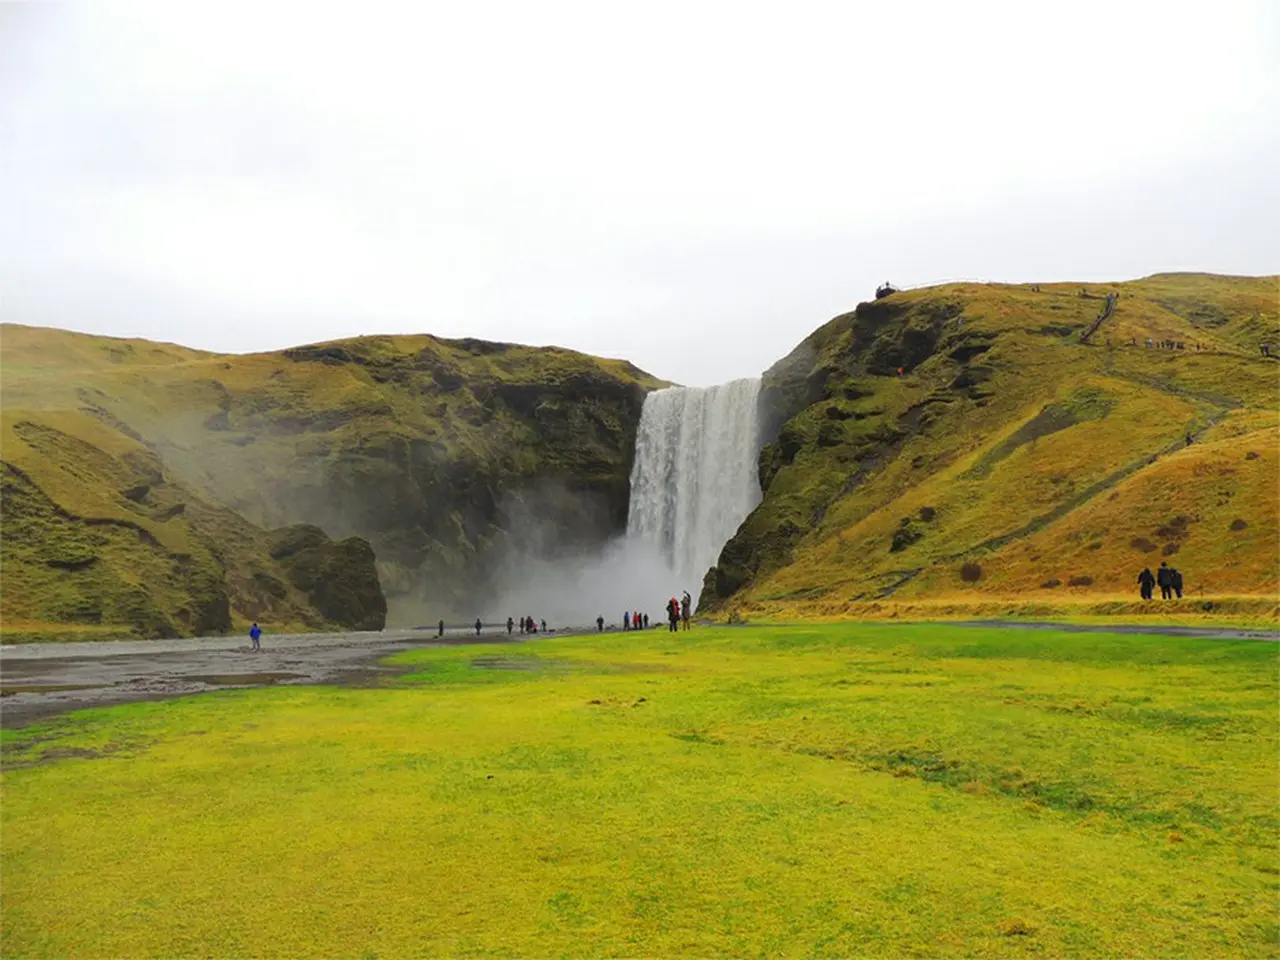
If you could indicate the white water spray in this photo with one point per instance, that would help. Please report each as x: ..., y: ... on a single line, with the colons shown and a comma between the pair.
x: 694, y: 480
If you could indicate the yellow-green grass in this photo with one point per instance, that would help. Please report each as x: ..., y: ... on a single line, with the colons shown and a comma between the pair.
x: 821, y: 790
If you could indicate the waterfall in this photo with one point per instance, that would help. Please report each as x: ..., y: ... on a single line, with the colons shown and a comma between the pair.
x: 694, y: 480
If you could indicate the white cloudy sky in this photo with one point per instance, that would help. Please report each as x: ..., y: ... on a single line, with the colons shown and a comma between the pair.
x: 694, y: 186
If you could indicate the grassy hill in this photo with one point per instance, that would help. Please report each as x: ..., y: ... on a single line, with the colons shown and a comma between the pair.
x: 965, y: 442
x: 101, y: 541
x: 443, y: 454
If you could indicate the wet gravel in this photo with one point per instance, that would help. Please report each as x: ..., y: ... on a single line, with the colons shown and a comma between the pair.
x: 40, y: 680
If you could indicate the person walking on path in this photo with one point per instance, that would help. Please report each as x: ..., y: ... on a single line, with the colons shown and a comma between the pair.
x: 477, y: 626
x: 685, y: 603
x: 1175, y: 581
x: 1164, y: 577
x: 626, y: 619
x: 1146, y: 580
x: 599, y: 624
x: 255, y: 632
x: 544, y: 626
x: 646, y: 621
x: 511, y: 625
x: 441, y: 630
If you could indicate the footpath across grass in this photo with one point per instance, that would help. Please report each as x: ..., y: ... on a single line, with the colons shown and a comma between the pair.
x: 828, y: 790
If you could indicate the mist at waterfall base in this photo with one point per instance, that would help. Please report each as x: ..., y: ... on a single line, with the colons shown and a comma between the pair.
x: 571, y: 591
x: 693, y: 482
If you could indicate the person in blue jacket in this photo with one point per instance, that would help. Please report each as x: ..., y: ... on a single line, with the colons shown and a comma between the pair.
x: 254, y: 633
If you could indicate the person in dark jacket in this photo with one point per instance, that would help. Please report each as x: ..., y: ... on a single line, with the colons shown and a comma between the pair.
x: 441, y: 631
x: 511, y: 625
x: 477, y: 626
x: 1176, y: 581
x: 1164, y: 577
x: 1146, y: 580
x: 686, y: 603
x: 600, y: 624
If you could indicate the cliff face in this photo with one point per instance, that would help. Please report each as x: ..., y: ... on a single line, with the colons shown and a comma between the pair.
x: 448, y: 457
x: 965, y: 440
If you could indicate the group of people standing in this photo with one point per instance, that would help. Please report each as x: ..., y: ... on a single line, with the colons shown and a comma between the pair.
x: 631, y: 620
x: 527, y: 625
x: 677, y: 611
x: 1168, y: 579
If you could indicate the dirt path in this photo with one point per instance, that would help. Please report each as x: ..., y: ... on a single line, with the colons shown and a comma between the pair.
x: 40, y: 680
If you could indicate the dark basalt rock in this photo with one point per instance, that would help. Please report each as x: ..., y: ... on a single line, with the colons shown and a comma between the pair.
x: 340, y: 579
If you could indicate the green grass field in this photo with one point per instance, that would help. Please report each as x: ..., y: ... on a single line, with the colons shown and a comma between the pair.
x: 828, y: 790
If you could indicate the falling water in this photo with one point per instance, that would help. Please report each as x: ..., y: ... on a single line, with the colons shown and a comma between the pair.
x: 694, y: 479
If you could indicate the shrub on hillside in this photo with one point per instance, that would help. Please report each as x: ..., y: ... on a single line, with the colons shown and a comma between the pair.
x: 904, y: 536
x: 970, y: 572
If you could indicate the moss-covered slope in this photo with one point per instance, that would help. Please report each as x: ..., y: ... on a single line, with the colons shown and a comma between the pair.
x: 97, y: 534
x: 446, y: 455
x: 966, y: 439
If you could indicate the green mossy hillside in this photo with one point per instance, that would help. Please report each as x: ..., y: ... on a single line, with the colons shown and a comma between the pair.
x: 96, y: 532
x: 968, y: 439
x: 446, y: 455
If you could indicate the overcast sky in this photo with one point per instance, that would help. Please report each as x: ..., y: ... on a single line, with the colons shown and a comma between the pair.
x: 692, y: 186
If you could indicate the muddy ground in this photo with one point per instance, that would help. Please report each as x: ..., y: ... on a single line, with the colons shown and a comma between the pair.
x: 39, y: 680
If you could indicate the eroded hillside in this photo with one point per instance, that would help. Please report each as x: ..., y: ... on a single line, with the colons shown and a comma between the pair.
x: 968, y: 439
x: 447, y: 456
